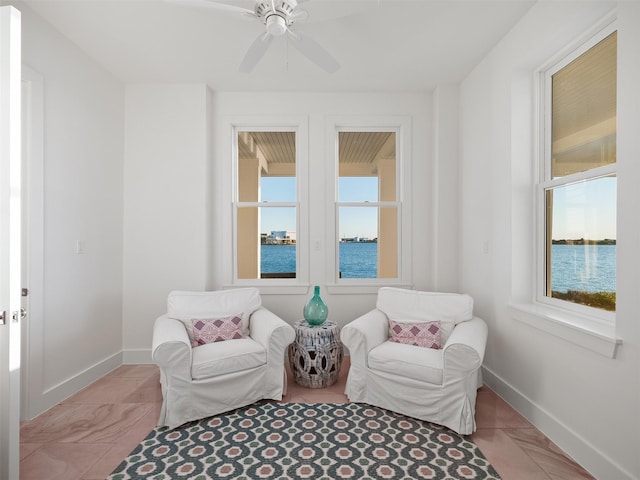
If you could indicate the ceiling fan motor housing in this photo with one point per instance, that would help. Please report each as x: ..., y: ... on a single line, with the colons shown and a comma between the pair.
x: 276, y: 21
x: 276, y: 25
x: 286, y: 7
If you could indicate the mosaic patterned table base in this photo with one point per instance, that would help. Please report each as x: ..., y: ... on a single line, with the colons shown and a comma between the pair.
x: 316, y: 354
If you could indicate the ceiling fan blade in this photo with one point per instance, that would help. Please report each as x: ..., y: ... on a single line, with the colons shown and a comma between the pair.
x: 299, y: 15
x: 314, y: 52
x: 256, y: 51
x: 213, y: 5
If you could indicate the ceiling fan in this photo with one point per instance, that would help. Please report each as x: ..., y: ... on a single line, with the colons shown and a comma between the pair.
x: 278, y: 16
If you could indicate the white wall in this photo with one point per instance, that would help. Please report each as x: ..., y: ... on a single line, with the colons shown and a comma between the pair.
x: 166, y: 204
x: 585, y: 402
x: 173, y: 223
x: 444, y: 184
x: 79, y: 336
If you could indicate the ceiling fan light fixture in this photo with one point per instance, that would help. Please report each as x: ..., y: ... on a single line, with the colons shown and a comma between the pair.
x: 276, y: 25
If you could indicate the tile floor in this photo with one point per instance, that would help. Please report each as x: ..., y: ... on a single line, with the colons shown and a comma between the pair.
x: 86, y: 436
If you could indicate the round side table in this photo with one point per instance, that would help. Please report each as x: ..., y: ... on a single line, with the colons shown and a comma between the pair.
x: 316, y: 354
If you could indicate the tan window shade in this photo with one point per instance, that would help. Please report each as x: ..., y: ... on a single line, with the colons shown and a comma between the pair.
x: 584, y: 111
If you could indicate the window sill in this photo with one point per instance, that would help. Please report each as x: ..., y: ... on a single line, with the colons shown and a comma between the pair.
x: 361, y: 288
x: 280, y: 289
x: 590, y: 333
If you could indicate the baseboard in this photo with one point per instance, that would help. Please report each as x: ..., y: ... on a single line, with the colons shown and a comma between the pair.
x: 54, y: 395
x: 577, y: 447
x: 137, y: 357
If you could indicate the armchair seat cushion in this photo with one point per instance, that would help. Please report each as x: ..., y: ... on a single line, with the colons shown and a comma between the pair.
x: 408, y: 361
x: 222, y: 358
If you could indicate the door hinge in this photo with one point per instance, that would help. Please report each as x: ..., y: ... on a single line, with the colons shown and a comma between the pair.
x: 3, y: 317
x: 25, y: 292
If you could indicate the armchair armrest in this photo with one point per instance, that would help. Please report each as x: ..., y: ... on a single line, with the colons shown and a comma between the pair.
x: 266, y: 328
x: 275, y: 335
x: 365, y: 333
x: 464, y: 350
x: 360, y: 336
x: 171, y: 347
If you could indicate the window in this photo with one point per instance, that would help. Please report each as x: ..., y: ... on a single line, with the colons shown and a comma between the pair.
x: 266, y: 206
x: 368, y: 209
x: 577, y: 191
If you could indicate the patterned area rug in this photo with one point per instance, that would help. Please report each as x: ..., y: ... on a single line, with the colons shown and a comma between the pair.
x: 297, y: 440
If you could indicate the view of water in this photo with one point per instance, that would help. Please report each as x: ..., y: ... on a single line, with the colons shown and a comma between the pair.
x: 586, y: 268
x: 278, y: 258
x: 357, y: 260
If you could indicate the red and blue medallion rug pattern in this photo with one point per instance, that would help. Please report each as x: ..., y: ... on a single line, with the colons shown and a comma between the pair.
x: 298, y: 440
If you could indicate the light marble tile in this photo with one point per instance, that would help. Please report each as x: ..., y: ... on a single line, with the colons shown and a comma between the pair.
x: 493, y: 412
x: 88, y: 423
x: 87, y: 436
x: 28, y: 448
x: 136, y: 371
x: 60, y: 461
x: 121, y: 449
x: 546, y: 454
x: 509, y: 460
x: 109, y: 389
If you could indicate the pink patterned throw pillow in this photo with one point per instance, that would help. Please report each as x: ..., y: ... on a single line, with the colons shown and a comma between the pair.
x: 204, y: 330
x: 420, y: 334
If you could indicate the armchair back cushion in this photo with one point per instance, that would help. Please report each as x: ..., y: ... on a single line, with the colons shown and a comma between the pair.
x: 187, y: 306
x: 402, y: 305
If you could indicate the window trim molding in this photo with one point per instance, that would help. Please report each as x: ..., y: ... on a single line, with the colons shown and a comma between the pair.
x: 401, y: 125
x: 300, y: 125
x: 588, y: 332
x: 578, y: 324
x: 545, y: 180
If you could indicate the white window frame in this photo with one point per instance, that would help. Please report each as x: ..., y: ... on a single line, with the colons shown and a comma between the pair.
x: 401, y: 126
x: 299, y: 125
x: 588, y: 327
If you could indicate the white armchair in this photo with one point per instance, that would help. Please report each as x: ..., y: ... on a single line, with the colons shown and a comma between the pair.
x: 436, y: 385
x: 212, y: 378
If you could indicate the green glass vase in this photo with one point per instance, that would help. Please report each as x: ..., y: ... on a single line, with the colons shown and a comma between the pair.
x: 315, y: 311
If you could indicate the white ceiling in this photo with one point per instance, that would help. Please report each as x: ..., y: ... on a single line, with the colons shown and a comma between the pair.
x: 382, y: 45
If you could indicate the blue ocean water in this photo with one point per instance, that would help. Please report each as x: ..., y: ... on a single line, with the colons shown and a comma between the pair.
x: 357, y: 260
x: 277, y: 258
x: 586, y: 268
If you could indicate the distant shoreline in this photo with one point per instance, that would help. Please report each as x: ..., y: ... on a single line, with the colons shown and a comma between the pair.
x: 583, y: 241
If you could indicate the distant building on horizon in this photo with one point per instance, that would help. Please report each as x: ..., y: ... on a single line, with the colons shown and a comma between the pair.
x: 279, y: 237
x: 358, y: 240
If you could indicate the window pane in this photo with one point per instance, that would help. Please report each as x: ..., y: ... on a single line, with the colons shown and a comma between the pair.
x: 584, y: 111
x: 267, y: 166
x: 277, y: 189
x: 581, y: 242
x: 358, y: 189
x: 272, y: 253
x: 367, y: 166
x: 278, y: 242
x: 247, y: 242
x: 368, y: 242
x: 266, y: 236
x: 367, y: 234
